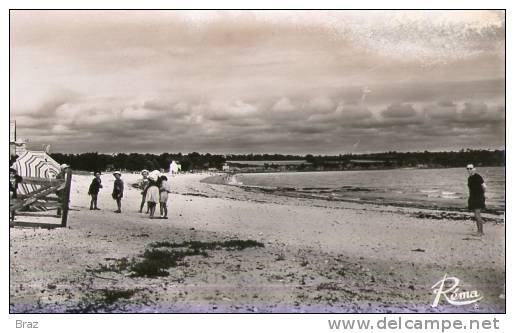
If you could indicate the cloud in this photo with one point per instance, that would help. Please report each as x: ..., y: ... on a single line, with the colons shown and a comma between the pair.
x: 223, y: 110
x: 283, y: 105
x: 117, y: 124
x: 321, y: 105
x: 480, y: 114
x: 443, y: 111
x: 474, y: 110
x: 399, y: 110
x: 261, y: 81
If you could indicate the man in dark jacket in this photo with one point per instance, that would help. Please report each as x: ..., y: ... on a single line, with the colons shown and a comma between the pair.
x: 94, y: 188
x: 476, y: 202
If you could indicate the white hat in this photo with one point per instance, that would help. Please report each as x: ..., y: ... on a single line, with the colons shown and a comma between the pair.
x: 64, y: 165
x: 155, y: 174
x: 470, y: 166
x: 117, y: 172
x: 144, y: 170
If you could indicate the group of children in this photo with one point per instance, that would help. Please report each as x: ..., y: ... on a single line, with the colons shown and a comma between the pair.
x: 154, y: 189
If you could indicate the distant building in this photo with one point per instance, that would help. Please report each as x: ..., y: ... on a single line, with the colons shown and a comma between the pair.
x: 226, y: 167
x: 366, y: 164
x: 268, y: 166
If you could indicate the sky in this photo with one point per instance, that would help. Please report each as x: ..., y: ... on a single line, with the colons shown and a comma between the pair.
x: 291, y: 82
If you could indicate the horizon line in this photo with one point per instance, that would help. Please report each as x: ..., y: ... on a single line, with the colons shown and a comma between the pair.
x: 292, y: 154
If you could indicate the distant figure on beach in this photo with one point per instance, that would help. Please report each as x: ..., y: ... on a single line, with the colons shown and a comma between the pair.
x: 143, y: 185
x: 164, y: 189
x: 60, y: 193
x: 152, y: 193
x: 94, y: 188
x: 476, y: 201
x: 118, y: 190
x: 14, y: 180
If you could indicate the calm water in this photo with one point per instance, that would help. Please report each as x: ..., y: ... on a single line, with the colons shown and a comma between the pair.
x: 428, y: 187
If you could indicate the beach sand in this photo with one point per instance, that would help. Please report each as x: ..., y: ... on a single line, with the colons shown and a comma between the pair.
x: 317, y: 256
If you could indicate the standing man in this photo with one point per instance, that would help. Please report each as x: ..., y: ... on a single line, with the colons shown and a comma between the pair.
x: 118, y: 190
x: 94, y: 188
x: 476, y: 202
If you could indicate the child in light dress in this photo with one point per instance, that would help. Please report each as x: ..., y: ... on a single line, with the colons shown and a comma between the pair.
x: 164, y: 189
x: 152, y: 196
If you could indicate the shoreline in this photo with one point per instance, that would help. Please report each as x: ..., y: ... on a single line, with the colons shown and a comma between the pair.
x: 317, y: 257
x: 294, y: 193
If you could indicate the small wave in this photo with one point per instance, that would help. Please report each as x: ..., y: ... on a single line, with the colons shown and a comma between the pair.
x: 233, y: 181
x: 451, y: 197
x: 356, y: 189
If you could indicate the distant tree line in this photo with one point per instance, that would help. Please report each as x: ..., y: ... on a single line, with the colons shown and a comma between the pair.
x: 447, y: 159
x: 197, y: 161
x: 136, y: 161
x: 263, y: 157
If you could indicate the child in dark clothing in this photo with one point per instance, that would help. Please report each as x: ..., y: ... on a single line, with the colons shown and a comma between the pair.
x: 118, y: 190
x: 94, y: 188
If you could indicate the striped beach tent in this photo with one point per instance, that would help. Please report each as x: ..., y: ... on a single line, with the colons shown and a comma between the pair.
x: 35, y: 164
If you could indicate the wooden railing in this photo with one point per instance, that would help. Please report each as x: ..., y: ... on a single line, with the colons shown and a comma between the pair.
x: 43, y: 197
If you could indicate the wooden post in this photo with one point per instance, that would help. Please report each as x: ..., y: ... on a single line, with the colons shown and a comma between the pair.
x: 66, y: 197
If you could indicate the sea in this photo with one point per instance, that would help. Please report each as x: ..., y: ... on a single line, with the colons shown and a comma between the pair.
x: 436, y: 188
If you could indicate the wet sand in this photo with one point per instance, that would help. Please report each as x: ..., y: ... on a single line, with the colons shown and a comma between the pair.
x: 317, y: 256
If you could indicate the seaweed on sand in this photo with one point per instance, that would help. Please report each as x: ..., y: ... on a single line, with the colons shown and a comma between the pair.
x: 118, y: 266
x: 155, y: 262
x: 111, y: 296
x: 160, y: 256
x: 230, y: 245
x: 103, y: 300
